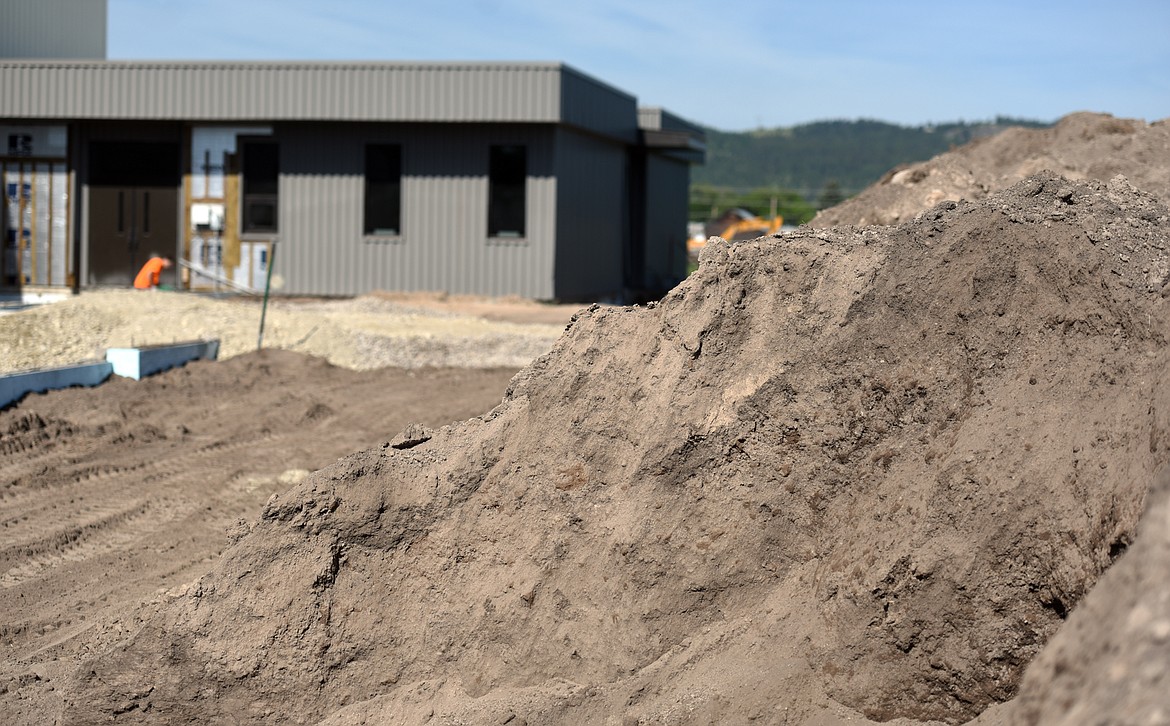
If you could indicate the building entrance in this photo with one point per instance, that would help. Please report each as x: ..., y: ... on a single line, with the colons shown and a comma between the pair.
x: 133, y: 208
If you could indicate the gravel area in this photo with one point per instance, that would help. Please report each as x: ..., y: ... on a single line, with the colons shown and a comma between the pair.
x: 362, y: 333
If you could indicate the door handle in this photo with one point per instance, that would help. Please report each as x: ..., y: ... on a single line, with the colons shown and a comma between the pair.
x: 133, y: 238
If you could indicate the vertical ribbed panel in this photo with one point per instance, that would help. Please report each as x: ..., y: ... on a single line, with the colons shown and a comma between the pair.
x: 296, y: 91
x: 217, y: 91
x: 53, y: 29
x: 591, y: 222
x: 443, y: 245
x: 650, y: 118
x: 591, y: 104
x: 667, y: 187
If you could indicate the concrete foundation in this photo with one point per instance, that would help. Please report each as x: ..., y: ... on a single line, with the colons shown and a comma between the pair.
x: 137, y: 363
x: 16, y: 386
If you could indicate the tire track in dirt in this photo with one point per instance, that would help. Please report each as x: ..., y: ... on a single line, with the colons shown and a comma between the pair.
x: 118, y: 524
x: 75, y: 480
x: 112, y: 497
x: 74, y: 544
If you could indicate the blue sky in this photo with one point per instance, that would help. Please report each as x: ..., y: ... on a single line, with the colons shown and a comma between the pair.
x: 733, y: 65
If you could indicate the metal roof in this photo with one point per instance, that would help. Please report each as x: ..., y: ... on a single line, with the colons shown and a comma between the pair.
x: 667, y: 132
x: 532, y: 92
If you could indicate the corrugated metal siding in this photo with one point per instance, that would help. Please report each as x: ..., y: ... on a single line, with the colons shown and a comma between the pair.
x: 667, y: 188
x: 444, y: 244
x: 595, y: 106
x: 280, y: 91
x: 52, y: 29
x: 214, y: 91
x: 591, y: 226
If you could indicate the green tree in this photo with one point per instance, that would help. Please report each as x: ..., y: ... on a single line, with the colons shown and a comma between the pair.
x: 807, y: 157
x: 831, y: 195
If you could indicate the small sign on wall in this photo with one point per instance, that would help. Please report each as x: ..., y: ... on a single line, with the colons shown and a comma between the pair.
x: 42, y: 142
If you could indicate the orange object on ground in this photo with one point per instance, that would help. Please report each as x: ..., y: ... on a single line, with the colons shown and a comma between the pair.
x: 149, y: 274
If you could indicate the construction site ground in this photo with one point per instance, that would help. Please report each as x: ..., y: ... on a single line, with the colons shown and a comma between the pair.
x: 908, y: 473
x: 116, y: 495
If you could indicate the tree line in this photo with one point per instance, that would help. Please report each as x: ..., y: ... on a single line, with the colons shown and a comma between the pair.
x: 799, y: 170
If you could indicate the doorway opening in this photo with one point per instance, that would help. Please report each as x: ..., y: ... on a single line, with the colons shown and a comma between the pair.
x: 133, y: 208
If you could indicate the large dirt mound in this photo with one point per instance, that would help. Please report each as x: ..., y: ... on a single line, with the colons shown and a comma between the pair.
x: 1081, y: 146
x: 833, y: 473
x: 1109, y: 664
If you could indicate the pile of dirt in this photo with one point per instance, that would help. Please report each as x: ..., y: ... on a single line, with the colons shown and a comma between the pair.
x: 111, y: 497
x: 835, y: 475
x: 1109, y: 663
x: 1080, y: 146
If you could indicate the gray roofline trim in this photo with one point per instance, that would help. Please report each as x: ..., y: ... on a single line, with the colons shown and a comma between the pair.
x: 673, y: 140
x: 676, y: 144
x: 273, y: 91
x: 665, y: 132
x: 656, y: 118
x: 288, y: 64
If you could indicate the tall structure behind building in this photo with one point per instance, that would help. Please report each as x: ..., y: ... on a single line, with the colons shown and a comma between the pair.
x: 53, y: 29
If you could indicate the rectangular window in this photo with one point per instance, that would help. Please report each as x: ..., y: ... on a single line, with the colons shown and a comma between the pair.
x: 261, y: 173
x: 383, y: 210
x: 507, y: 181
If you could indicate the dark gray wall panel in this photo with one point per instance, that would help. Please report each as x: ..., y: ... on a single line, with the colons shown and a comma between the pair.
x: 443, y: 245
x: 591, y: 228
x: 667, y: 187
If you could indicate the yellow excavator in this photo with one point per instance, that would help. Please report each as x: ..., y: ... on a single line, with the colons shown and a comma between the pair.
x: 735, y: 224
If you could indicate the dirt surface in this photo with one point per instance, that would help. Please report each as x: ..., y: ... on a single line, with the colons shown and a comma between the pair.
x: 1109, y: 664
x: 365, y: 333
x: 114, y: 496
x: 887, y: 474
x: 1080, y: 146
x: 834, y: 477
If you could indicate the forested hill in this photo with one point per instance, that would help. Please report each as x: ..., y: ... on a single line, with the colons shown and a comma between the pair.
x: 806, y: 158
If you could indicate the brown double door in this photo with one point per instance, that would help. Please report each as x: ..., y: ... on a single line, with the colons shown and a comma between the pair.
x: 133, y: 208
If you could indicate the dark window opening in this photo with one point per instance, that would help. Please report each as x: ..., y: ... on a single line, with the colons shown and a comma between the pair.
x: 133, y: 164
x: 261, y: 173
x: 507, y: 178
x: 383, y: 200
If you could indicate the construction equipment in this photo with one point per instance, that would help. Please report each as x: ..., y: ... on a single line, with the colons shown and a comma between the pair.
x: 735, y: 224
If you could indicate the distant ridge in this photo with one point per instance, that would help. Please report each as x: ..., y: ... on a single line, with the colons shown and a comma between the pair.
x: 854, y: 154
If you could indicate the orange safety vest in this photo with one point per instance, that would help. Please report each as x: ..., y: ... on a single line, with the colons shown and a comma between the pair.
x: 148, y: 275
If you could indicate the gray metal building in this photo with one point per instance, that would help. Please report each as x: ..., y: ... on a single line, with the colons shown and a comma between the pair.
x: 531, y: 179
x: 53, y: 29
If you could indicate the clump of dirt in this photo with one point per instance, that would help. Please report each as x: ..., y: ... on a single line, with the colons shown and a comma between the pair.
x: 836, y: 474
x: 1080, y: 146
